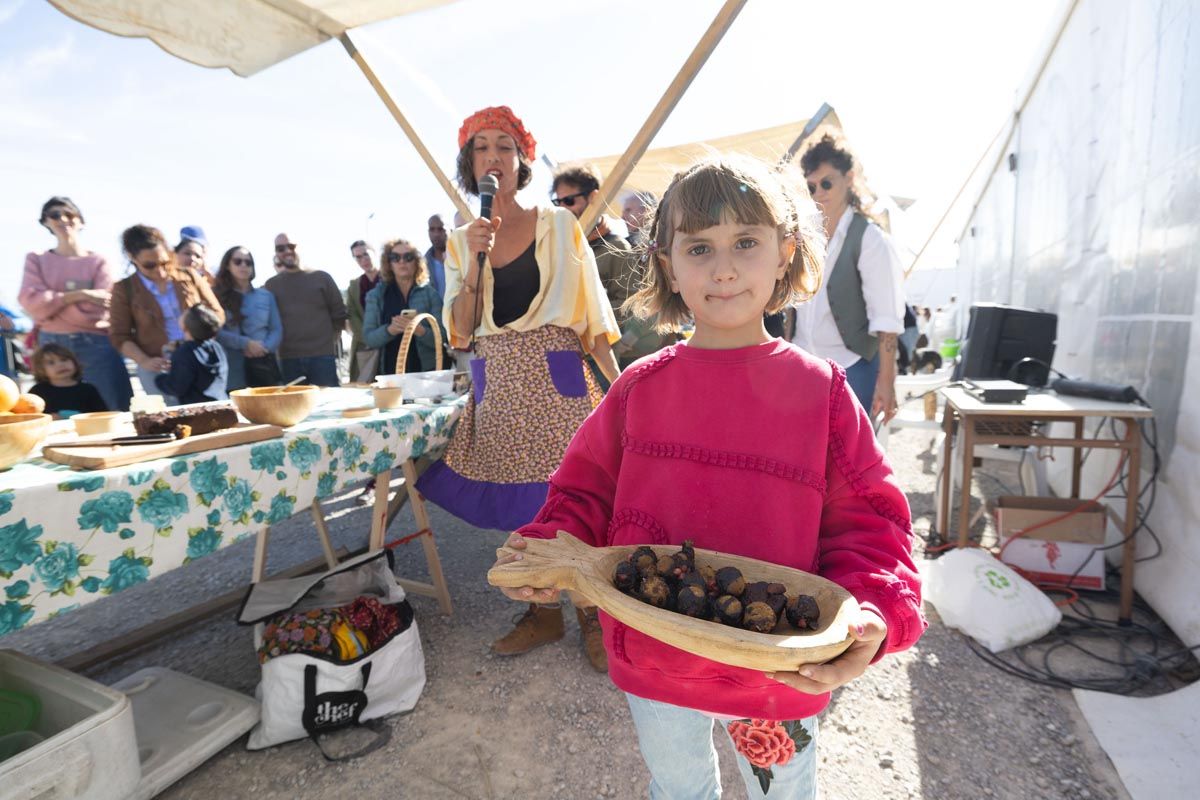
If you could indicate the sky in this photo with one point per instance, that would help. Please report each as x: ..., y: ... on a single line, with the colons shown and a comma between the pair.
x: 135, y: 135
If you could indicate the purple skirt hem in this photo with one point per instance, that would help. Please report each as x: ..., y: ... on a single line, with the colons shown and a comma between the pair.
x: 501, y: 506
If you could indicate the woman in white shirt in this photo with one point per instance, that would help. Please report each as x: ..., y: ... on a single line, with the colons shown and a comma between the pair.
x: 856, y: 316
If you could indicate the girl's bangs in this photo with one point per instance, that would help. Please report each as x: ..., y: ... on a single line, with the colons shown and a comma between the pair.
x: 709, y: 197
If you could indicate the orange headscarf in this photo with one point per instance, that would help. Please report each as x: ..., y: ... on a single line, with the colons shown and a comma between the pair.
x: 501, y: 118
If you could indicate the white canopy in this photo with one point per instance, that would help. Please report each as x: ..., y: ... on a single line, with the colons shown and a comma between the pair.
x: 250, y: 35
x: 246, y: 36
x: 656, y: 167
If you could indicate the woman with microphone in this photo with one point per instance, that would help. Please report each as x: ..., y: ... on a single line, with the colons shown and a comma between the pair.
x: 522, y: 287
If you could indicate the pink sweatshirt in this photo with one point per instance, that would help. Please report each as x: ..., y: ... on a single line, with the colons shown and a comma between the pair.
x: 48, y: 278
x: 759, y: 451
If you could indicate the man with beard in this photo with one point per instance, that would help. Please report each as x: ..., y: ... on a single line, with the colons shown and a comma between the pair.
x: 313, y: 313
x: 435, y: 256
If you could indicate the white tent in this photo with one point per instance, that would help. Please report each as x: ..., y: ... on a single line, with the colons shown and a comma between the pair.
x: 250, y: 35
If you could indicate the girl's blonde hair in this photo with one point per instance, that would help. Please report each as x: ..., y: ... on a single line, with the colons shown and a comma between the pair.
x: 718, y: 189
x: 420, y: 278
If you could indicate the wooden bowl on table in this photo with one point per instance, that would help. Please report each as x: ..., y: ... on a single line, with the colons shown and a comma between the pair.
x: 388, y: 396
x: 276, y: 405
x: 569, y: 564
x: 19, y: 435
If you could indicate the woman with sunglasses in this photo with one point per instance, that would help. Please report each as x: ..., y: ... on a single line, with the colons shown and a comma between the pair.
x: 147, y: 306
x: 522, y: 288
x: 252, y: 329
x: 66, y: 292
x: 858, y: 313
x: 404, y: 287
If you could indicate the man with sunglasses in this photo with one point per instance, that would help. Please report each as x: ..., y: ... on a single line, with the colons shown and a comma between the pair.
x: 314, y: 316
x: 574, y: 188
x: 362, y: 358
x: 858, y: 313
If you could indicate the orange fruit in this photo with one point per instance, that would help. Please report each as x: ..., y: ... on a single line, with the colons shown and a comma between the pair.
x: 29, y: 404
x: 8, y: 393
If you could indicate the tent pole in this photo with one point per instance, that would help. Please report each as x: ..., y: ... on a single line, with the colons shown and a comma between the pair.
x: 708, y: 42
x: 809, y: 128
x: 377, y: 85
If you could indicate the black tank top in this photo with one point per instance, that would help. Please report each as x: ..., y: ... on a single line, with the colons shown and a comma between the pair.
x: 513, y: 288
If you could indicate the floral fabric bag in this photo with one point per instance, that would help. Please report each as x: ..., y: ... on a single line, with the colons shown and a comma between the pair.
x: 337, y: 649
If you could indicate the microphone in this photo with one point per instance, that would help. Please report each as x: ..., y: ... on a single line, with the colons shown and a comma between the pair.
x: 487, y: 192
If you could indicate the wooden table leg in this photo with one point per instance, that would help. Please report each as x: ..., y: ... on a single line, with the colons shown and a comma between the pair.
x: 1133, y: 445
x: 260, y: 554
x: 379, y: 514
x: 1077, y: 460
x: 427, y: 543
x: 942, y: 519
x: 323, y: 534
x: 966, y: 433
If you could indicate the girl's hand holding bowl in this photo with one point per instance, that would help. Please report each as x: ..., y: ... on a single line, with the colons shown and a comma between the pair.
x: 527, y: 594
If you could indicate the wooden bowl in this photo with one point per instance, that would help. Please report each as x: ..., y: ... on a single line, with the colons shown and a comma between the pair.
x: 388, y: 396
x: 19, y: 435
x: 96, y: 422
x: 275, y: 405
x: 569, y: 564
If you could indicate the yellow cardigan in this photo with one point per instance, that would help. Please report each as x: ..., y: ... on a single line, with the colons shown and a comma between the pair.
x: 570, y: 295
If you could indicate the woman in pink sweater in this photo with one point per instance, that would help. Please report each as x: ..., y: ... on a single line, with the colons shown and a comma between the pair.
x: 744, y: 444
x: 66, y: 291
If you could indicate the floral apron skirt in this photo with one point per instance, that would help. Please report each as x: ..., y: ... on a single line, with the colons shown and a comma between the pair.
x: 532, y: 390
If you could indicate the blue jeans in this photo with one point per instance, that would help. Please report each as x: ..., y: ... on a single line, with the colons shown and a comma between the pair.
x: 677, y: 745
x: 317, y: 370
x: 103, y: 366
x: 861, y: 376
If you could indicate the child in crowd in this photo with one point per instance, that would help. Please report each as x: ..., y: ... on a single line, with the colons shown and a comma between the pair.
x: 59, y: 382
x: 198, y: 366
x: 747, y: 445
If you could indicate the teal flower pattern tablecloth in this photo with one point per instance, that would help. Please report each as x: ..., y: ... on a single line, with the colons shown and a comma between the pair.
x: 68, y: 537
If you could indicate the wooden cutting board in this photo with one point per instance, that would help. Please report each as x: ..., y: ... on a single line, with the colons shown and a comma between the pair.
x: 567, y: 563
x: 103, y: 457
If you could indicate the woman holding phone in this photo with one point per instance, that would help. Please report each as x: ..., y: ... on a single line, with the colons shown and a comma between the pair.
x: 403, y: 293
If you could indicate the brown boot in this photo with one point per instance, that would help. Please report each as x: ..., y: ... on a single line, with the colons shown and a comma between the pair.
x: 539, y: 625
x: 593, y: 638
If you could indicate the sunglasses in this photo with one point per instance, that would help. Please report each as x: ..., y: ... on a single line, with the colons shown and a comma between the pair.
x: 408, y: 257
x: 569, y: 200
x: 57, y: 214
x: 238, y: 261
x: 153, y: 265
x: 285, y: 248
x: 825, y: 184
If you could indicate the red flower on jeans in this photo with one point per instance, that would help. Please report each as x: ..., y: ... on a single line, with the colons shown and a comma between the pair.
x: 763, y: 742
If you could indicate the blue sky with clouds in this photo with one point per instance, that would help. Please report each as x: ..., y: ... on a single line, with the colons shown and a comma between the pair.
x: 136, y: 135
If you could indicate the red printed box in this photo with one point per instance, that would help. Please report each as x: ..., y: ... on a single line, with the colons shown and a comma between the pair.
x: 1053, y: 553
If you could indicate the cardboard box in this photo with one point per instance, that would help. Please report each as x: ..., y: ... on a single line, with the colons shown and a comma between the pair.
x: 1053, y: 553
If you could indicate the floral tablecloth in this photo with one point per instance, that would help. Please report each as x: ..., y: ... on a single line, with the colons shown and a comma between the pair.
x: 68, y: 537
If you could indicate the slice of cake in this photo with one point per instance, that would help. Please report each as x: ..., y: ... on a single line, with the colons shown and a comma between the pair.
x: 188, y: 420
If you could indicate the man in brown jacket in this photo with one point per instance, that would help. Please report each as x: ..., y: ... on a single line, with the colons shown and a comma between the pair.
x: 361, y: 356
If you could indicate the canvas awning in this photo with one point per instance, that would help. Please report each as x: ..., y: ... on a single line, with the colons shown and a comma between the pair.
x: 782, y: 142
x: 251, y: 35
x: 246, y: 36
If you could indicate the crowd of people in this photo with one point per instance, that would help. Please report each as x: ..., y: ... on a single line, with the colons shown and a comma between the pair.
x: 587, y: 412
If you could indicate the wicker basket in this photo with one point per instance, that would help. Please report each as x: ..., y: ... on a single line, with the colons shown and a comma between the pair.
x: 424, y: 384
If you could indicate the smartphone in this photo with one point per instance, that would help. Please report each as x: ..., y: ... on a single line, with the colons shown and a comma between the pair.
x: 408, y: 312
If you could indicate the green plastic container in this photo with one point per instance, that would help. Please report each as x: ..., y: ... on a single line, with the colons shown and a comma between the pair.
x: 19, y: 711
x: 949, y: 348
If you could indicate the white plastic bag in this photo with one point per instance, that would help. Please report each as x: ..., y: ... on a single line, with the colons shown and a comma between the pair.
x: 987, y: 600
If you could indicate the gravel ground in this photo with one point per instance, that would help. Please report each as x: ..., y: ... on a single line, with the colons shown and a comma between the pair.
x: 933, y: 722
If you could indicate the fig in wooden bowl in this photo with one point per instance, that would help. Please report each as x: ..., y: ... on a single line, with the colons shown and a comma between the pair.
x: 276, y: 405
x: 567, y: 563
x: 19, y: 435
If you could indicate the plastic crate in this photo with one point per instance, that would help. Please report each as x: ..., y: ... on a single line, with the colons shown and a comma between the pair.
x: 90, y: 749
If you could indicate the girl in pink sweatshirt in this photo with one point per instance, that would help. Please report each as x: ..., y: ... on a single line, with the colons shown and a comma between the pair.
x: 744, y: 444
